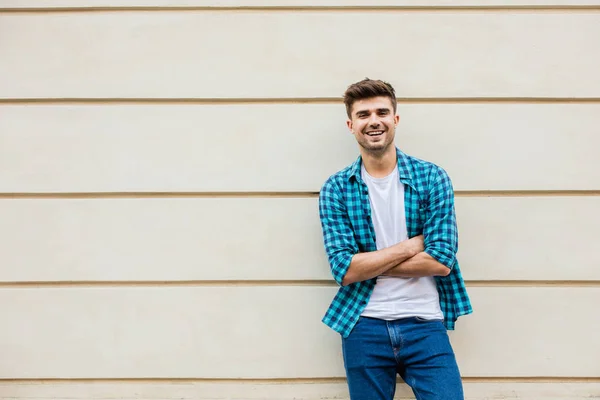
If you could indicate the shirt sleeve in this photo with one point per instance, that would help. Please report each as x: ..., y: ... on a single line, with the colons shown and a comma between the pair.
x: 338, y: 236
x: 439, y: 229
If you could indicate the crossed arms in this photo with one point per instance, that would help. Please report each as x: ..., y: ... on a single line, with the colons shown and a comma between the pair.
x: 406, y: 259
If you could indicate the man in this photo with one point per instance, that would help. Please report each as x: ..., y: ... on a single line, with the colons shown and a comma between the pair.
x: 390, y: 234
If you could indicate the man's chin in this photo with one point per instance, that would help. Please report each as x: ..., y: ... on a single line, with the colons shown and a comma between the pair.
x: 376, y: 148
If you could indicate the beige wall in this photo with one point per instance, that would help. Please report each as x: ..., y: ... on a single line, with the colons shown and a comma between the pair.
x: 159, y: 168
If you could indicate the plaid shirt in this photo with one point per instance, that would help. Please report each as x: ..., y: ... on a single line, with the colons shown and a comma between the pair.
x: 347, y: 230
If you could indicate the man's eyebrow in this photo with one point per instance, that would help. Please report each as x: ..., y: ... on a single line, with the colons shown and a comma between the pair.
x: 379, y: 110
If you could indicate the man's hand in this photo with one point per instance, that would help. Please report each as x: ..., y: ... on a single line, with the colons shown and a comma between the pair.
x: 414, y: 245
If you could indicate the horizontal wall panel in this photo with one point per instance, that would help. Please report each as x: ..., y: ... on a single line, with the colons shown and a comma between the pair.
x: 503, y: 238
x: 24, y: 4
x: 161, y: 239
x: 278, y: 391
x: 528, y: 238
x: 287, y: 147
x: 200, y: 54
x: 231, y: 332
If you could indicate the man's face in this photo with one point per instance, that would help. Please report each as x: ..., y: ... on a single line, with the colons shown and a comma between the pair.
x: 373, y: 124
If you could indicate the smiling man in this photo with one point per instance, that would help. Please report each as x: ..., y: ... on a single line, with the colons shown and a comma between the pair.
x: 390, y: 234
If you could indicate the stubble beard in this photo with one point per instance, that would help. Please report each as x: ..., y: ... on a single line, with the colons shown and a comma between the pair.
x: 376, y: 149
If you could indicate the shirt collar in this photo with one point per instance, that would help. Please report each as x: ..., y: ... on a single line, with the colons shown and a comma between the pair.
x: 403, y: 167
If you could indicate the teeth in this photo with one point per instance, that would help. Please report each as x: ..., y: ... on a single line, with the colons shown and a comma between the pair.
x: 374, y: 133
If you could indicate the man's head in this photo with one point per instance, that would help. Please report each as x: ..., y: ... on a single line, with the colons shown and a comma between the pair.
x: 371, y: 108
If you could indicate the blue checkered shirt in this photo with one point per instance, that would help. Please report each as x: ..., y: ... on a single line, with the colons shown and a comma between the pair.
x: 347, y: 230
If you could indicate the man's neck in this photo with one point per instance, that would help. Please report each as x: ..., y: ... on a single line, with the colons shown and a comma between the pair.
x: 380, y: 165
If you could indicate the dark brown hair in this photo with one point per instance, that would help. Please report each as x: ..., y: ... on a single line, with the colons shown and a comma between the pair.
x: 366, y: 89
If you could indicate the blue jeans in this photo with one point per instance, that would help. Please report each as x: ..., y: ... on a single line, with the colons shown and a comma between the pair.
x: 416, y: 349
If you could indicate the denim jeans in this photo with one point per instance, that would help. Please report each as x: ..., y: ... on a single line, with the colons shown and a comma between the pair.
x: 416, y: 349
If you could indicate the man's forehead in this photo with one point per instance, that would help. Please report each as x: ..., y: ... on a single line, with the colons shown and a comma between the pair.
x: 374, y: 103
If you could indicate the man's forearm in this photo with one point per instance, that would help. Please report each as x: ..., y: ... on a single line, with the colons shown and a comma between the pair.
x: 418, y: 266
x: 371, y: 264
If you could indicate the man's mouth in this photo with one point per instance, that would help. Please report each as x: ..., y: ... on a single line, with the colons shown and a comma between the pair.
x: 374, y: 133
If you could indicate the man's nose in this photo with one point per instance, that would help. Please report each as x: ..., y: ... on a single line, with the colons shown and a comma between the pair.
x: 374, y: 120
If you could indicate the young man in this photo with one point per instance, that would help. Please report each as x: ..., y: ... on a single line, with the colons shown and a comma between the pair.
x: 390, y: 234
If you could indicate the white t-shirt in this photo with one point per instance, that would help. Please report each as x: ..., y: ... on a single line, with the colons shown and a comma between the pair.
x: 393, y: 297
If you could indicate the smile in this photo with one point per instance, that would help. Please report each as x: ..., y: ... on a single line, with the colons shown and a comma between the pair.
x: 374, y: 133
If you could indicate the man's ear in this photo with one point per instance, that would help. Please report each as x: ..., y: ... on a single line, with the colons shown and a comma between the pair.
x: 349, y: 123
x: 396, y: 119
